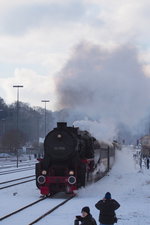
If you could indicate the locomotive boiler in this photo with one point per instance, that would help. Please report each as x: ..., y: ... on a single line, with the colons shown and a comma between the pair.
x: 72, y: 158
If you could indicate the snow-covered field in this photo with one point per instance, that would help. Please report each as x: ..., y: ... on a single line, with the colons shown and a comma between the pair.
x: 129, y: 185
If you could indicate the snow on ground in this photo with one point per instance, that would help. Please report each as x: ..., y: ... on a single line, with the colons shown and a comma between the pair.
x: 28, y: 171
x: 16, y: 175
x: 8, y: 163
x: 129, y: 185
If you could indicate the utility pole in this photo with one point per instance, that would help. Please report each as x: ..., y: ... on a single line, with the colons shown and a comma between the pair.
x: 17, y: 107
x: 45, y: 101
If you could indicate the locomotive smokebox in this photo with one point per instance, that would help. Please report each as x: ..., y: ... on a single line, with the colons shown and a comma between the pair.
x: 60, y: 143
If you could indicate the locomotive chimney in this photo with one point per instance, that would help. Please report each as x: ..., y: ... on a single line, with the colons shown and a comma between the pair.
x: 61, y: 125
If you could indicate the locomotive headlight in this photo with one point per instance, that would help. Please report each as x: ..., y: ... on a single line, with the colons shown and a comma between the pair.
x: 71, y: 180
x: 41, y: 179
x: 44, y: 172
x: 71, y: 172
x: 59, y: 136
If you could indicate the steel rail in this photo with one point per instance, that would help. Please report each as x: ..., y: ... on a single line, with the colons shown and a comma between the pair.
x: 51, y: 210
x: 21, y: 209
x: 11, y: 185
x: 5, y: 182
x: 17, y: 170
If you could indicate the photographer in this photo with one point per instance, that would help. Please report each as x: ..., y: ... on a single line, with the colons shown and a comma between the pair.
x: 107, y: 207
x: 86, y: 218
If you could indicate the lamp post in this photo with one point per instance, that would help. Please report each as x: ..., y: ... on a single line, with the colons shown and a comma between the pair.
x: 17, y: 106
x: 45, y: 101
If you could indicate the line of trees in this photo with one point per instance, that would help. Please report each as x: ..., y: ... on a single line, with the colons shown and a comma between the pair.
x: 31, y: 124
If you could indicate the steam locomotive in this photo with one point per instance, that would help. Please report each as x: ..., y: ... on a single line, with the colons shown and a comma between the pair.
x: 72, y: 159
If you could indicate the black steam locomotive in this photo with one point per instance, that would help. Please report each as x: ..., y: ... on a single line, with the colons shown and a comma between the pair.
x: 72, y: 158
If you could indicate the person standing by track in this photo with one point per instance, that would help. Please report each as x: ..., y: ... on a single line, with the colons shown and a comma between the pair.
x: 107, y: 207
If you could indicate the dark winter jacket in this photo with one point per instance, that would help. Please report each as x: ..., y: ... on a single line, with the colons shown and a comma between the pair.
x: 107, y: 210
x: 88, y: 220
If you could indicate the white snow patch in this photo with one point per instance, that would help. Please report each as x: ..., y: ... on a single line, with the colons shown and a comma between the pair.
x: 129, y: 185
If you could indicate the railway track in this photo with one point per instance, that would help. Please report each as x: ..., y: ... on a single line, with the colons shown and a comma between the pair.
x: 10, y: 215
x: 51, y: 210
x: 19, y: 166
x: 14, y: 180
x: 21, y: 209
x: 16, y: 170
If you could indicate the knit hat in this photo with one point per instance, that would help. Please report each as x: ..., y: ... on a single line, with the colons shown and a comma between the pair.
x: 86, y: 209
x: 108, y: 195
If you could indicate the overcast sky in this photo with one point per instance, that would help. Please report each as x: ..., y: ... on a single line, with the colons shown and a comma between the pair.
x: 38, y: 38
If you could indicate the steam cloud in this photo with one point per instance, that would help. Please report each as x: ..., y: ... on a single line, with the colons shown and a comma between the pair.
x: 105, y: 85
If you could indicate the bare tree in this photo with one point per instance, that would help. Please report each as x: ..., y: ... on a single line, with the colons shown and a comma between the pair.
x: 13, y: 139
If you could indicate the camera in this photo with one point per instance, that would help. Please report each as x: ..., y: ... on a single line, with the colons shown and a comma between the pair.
x: 79, y: 217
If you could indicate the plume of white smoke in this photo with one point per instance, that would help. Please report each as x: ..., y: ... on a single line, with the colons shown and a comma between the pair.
x: 101, y: 130
x: 105, y: 85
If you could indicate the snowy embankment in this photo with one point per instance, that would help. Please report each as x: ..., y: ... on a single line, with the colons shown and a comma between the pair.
x: 127, y: 184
